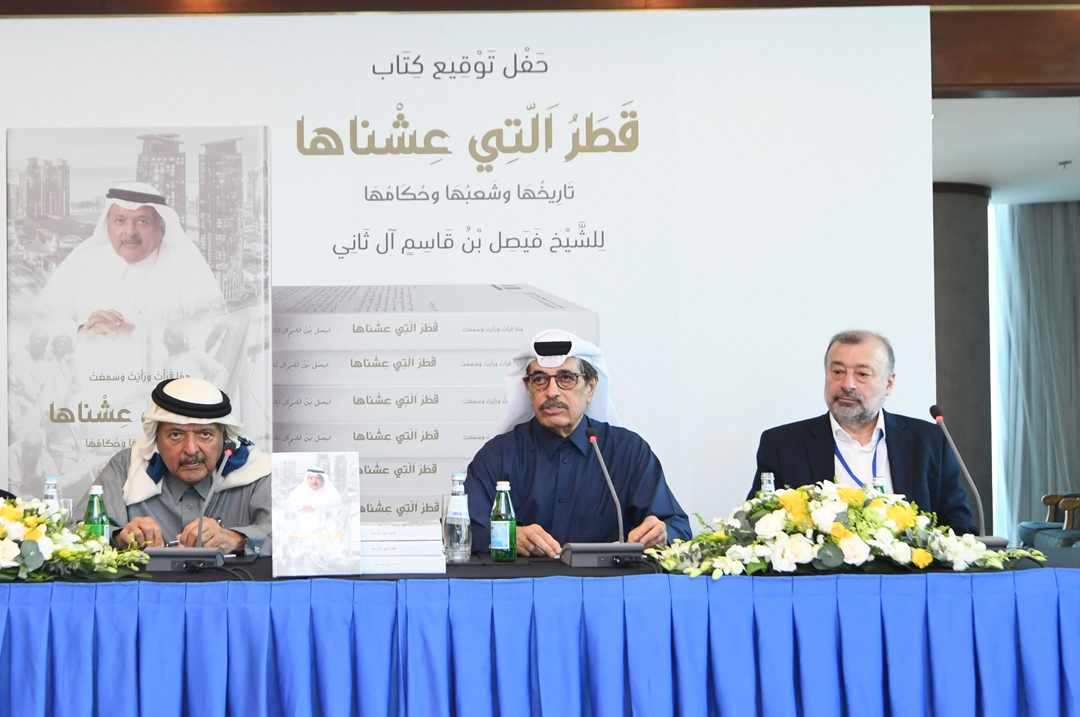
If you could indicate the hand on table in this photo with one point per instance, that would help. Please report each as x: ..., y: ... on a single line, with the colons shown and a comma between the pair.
x: 141, y: 532
x: 534, y: 540
x: 214, y: 535
x: 650, y: 533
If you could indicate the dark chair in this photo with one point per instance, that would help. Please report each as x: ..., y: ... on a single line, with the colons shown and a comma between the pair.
x: 1067, y: 536
x: 1030, y: 528
x: 4, y: 495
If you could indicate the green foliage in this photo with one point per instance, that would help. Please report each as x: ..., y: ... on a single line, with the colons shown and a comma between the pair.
x: 831, y: 556
x: 31, y: 555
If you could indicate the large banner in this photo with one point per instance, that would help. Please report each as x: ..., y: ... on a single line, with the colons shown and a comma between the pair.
x: 724, y: 190
x: 126, y: 267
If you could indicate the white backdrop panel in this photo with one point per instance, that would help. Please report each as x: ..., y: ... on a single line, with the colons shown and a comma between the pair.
x: 780, y: 189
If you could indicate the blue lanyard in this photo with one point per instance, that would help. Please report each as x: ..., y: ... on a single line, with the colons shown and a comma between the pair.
x: 873, y: 465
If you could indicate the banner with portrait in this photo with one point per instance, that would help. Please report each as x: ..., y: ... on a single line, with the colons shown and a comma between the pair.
x: 128, y: 265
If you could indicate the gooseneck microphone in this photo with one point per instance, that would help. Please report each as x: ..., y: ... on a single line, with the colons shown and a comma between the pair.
x: 936, y: 413
x: 603, y: 555
x: 215, y: 481
x: 197, y: 558
x: 591, y: 433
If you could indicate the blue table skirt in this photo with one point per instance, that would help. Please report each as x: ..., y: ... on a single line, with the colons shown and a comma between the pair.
x: 943, y: 644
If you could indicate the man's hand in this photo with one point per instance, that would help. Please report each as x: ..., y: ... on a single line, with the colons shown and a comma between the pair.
x: 214, y: 535
x: 105, y: 322
x: 650, y: 533
x: 141, y: 532
x: 534, y: 540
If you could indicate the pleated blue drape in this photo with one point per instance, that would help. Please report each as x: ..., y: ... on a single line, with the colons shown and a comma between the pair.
x: 946, y: 644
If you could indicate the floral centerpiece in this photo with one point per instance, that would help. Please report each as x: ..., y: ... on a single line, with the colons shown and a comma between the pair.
x: 36, y: 546
x: 829, y: 528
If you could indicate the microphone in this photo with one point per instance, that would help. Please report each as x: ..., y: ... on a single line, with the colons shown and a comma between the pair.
x: 591, y: 433
x: 603, y: 555
x: 192, y: 559
x: 969, y: 483
x: 229, y: 447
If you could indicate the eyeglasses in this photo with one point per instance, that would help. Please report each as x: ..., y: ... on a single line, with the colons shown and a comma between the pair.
x: 538, y: 381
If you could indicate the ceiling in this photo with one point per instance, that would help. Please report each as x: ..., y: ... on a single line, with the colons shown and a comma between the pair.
x: 1012, y: 145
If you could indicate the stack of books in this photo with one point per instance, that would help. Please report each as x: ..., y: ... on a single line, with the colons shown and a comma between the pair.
x: 413, y: 378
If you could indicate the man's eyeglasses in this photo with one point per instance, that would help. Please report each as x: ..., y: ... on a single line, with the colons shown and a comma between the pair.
x: 538, y: 381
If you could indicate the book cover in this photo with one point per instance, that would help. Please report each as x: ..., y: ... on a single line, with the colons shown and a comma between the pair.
x: 399, y: 440
x: 384, y: 403
x: 422, y: 530
x: 404, y: 565
x: 401, y: 548
x: 384, y: 474
x: 393, y: 368
x: 464, y: 316
x: 317, y: 514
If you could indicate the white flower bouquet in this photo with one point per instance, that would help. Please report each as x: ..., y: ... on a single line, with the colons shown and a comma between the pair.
x: 826, y: 528
x: 36, y: 546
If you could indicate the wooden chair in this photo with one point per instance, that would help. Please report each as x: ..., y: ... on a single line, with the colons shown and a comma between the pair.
x: 1030, y: 528
x: 1068, y: 535
x: 1069, y: 506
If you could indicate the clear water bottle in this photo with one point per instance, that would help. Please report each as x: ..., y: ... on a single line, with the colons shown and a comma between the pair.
x: 503, y: 525
x: 51, y: 498
x: 97, y: 522
x: 457, y: 533
x: 768, y: 483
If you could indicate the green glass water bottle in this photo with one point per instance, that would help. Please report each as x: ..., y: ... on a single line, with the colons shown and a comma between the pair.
x: 97, y: 522
x: 503, y: 525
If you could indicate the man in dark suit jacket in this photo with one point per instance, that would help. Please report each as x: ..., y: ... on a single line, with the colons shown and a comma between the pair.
x: 858, y: 377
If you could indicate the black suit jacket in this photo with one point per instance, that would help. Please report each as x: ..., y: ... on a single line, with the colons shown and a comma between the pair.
x: 922, y: 465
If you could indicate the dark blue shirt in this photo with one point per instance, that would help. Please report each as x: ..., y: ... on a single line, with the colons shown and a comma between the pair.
x: 557, y: 483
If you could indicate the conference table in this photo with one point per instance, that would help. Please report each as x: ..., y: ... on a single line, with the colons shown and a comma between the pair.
x: 540, y: 638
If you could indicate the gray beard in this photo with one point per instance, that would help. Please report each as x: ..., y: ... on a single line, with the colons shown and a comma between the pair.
x: 859, y: 415
x: 855, y: 416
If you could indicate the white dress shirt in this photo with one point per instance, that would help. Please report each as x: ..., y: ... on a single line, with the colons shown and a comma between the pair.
x: 860, y: 458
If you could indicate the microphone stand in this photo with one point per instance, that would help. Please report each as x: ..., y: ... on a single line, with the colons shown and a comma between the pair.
x: 603, y: 555
x: 991, y: 541
x: 177, y: 559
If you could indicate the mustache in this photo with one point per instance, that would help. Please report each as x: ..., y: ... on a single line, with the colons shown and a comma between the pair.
x: 193, y: 460
x: 553, y: 403
x: 850, y: 395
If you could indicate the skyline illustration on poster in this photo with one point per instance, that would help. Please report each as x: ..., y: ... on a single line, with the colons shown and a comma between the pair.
x: 129, y: 264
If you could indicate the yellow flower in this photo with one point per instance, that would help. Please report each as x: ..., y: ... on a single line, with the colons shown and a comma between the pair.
x: 719, y: 534
x: 876, y: 503
x: 794, y: 502
x: 851, y: 496
x: 839, y: 531
x: 10, y: 512
x: 32, y: 520
x: 921, y: 557
x: 902, y: 515
x: 32, y: 534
